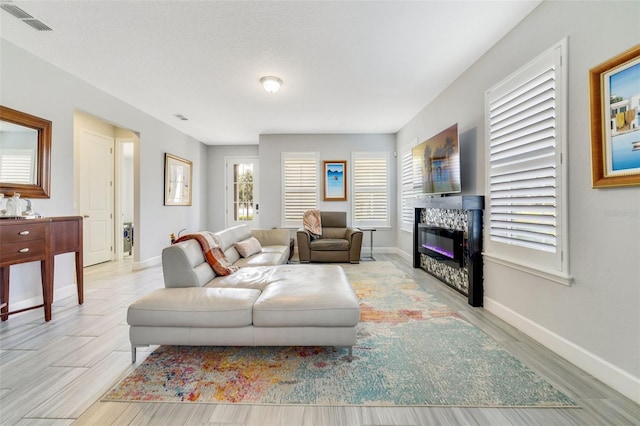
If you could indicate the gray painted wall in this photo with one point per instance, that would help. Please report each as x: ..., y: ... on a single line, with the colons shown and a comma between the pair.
x: 36, y: 87
x: 596, y: 321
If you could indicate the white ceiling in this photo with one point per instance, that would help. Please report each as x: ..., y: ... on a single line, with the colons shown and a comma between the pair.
x: 347, y: 66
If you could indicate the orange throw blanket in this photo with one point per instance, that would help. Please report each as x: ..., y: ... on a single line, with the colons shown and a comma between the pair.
x: 212, y: 253
x: 311, y: 222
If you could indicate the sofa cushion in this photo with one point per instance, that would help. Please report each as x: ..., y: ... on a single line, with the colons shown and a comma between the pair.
x: 271, y: 237
x: 307, y: 296
x: 248, y: 247
x: 227, y: 237
x: 213, y: 254
x: 265, y: 258
x: 255, y: 278
x: 194, y: 307
x: 329, y: 244
x: 183, y: 265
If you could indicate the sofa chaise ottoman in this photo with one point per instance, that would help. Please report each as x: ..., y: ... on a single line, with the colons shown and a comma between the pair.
x: 282, y: 305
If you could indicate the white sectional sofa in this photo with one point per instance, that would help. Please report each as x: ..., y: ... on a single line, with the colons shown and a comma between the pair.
x: 263, y: 305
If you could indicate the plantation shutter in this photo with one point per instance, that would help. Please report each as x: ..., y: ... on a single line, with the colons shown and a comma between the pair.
x: 300, y: 183
x: 525, y: 132
x: 407, y: 191
x: 370, y: 189
x: 523, y: 164
x: 17, y: 166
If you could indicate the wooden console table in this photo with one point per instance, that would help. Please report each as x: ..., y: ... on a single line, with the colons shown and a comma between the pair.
x: 31, y: 240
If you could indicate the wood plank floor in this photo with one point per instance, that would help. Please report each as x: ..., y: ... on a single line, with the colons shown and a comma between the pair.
x: 55, y: 373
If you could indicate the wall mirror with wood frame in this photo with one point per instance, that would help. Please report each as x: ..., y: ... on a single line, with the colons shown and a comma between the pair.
x: 25, y: 154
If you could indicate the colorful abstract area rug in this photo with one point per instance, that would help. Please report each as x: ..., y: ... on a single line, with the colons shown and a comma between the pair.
x: 411, y: 350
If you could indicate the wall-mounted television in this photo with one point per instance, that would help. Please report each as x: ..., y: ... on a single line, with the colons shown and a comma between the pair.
x: 436, y: 163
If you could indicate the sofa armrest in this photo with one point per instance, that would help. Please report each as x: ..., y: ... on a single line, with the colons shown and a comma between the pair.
x: 354, y: 235
x: 304, y: 245
x: 271, y: 237
x: 183, y: 265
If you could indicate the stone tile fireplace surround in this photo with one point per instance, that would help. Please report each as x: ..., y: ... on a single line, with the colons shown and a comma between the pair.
x: 447, y: 242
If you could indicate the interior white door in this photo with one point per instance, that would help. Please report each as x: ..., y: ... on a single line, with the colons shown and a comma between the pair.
x: 242, y: 191
x: 96, y: 196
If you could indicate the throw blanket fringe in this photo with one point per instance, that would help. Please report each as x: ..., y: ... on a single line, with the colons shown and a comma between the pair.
x: 311, y: 223
x: 212, y: 252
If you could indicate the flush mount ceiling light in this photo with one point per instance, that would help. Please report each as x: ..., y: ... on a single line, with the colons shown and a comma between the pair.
x: 271, y: 84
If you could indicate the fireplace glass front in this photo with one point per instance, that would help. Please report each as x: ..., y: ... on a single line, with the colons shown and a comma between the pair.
x: 445, y: 245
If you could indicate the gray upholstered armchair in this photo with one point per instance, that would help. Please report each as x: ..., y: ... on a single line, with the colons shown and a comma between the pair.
x: 338, y: 243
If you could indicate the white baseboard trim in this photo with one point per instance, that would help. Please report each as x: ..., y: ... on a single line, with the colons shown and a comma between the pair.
x: 380, y: 250
x: 406, y: 256
x: 143, y: 264
x: 608, y: 373
x: 58, y: 294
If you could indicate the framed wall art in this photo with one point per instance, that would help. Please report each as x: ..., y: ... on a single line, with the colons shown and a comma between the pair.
x: 615, y: 115
x: 335, y: 180
x: 177, y: 181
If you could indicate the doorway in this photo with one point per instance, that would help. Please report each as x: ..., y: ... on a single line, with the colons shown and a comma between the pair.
x: 96, y: 196
x: 242, y: 203
x: 125, y: 238
x: 104, y: 188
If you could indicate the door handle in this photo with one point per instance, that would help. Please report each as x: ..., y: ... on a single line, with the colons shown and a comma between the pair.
x: 24, y: 233
x: 85, y: 216
x: 24, y: 250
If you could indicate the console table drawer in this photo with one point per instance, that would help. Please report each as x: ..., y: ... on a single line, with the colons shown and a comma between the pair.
x: 31, y: 240
x: 22, y: 232
x: 23, y: 251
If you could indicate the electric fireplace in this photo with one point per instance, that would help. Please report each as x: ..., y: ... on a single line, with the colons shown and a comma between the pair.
x: 444, y: 245
x: 447, y: 242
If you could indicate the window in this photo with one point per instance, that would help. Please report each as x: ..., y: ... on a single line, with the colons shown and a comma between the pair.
x: 370, y: 201
x: 242, y: 191
x: 17, y: 166
x: 243, y: 208
x: 526, y: 178
x: 408, y: 192
x: 300, y: 183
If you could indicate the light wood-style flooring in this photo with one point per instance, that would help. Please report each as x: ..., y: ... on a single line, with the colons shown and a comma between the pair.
x: 55, y: 373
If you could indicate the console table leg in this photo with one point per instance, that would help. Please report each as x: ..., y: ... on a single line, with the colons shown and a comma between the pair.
x: 47, y: 288
x: 4, y: 293
x: 79, y: 277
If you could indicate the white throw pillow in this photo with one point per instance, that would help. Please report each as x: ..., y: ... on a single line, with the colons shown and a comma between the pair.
x: 248, y: 247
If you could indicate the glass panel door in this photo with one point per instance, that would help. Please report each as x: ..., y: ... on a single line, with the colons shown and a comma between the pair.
x: 242, y: 192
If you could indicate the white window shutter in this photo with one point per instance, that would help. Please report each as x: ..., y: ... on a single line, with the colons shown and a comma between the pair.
x: 522, y: 174
x: 370, y: 189
x: 407, y: 191
x: 17, y: 166
x: 526, y: 137
x: 300, y: 183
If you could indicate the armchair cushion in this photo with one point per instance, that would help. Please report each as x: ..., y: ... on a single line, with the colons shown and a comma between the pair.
x: 330, y: 244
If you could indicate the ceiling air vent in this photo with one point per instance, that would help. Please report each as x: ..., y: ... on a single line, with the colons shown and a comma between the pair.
x: 25, y: 17
x: 38, y: 25
x: 15, y: 11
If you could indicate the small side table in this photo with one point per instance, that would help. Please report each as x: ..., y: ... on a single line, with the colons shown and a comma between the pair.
x: 370, y: 231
